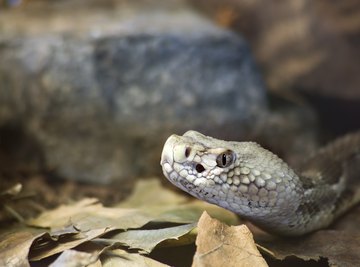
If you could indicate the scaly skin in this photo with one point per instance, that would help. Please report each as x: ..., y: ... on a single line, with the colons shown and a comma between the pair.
x: 256, y: 184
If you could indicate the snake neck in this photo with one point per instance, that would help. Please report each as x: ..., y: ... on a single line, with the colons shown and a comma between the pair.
x: 274, y: 192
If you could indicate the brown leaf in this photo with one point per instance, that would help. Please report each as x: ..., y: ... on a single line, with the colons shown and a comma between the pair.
x: 222, y: 245
x: 83, y: 221
x: 168, y: 206
x: 62, y: 216
x: 73, y: 258
x: 350, y: 221
x: 338, y: 247
x: 46, y: 246
x: 11, y: 192
x: 121, y: 258
x: 6, y: 197
x: 89, y: 214
x: 14, y: 248
x: 147, y: 240
x: 149, y: 193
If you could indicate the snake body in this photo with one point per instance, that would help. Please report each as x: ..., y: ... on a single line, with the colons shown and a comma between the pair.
x: 251, y: 181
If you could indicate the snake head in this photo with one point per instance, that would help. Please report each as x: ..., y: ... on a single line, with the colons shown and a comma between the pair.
x: 240, y: 176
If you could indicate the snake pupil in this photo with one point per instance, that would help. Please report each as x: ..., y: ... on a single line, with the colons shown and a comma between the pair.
x: 225, y: 159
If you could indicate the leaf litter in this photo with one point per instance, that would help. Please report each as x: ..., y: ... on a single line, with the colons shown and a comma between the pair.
x: 86, y: 233
x: 221, y: 245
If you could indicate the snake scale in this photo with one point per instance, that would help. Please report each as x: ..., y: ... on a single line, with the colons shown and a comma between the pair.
x: 253, y: 182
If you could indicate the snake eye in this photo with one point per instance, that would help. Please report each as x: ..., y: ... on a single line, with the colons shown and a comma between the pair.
x: 225, y: 159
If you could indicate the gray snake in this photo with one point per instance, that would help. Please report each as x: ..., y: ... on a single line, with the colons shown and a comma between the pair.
x: 251, y: 181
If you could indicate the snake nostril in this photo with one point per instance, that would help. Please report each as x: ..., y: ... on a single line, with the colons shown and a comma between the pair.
x: 187, y: 151
x: 199, y: 168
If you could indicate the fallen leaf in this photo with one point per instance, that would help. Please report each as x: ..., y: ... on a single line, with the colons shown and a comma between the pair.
x: 45, y: 246
x: 73, y: 258
x: 11, y: 192
x: 86, y: 254
x: 191, y: 212
x: 222, y: 245
x: 14, y: 248
x: 95, y: 264
x: 121, y: 258
x: 88, y: 214
x: 62, y: 216
x: 349, y: 222
x: 7, y: 197
x: 67, y: 227
x: 149, y: 193
x: 338, y: 247
x: 147, y: 240
x: 168, y: 206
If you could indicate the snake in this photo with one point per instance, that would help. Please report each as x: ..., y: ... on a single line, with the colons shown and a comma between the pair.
x: 260, y: 187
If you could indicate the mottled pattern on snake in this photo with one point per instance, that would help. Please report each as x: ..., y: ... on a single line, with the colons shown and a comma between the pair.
x: 259, y: 186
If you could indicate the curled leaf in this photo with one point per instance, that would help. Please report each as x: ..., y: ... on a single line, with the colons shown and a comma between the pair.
x: 222, y: 245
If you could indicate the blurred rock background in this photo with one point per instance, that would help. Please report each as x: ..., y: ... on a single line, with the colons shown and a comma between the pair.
x: 308, y: 48
x: 90, y: 90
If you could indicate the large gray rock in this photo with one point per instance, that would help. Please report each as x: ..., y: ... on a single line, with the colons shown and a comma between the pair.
x: 100, y: 96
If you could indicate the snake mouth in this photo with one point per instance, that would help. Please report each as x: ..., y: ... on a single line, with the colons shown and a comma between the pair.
x: 169, y: 157
x: 167, y: 152
x: 175, y: 150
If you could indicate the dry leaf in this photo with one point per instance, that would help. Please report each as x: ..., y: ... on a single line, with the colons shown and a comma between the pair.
x: 149, y: 193
x: 147, y: 240
x: 168, y: 206
x: 95, y: 264
x: 89, y: 214
x: 14, y: 248
x: 121, y: 258
x: 222, y: 245
x: 73, y: 258
x: 338, y: 247
x: 146, y: 206
x: 46, y: 246
x: 87, y: 220
x: 11, y: 192
x: 61, y: 216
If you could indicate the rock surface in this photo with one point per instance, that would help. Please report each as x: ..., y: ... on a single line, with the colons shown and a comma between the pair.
x: 307, y: 47
x: 100, y: 88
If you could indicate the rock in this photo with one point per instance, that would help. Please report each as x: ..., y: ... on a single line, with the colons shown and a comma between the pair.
x: 100, y: 88
x: 309, y: 47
